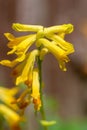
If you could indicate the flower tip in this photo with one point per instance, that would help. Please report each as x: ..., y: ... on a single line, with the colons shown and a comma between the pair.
x: 70, y: 28
x: 15, y: 26
x: 62, y: 67
x: 65, y: 69
x: 9, y: 36
x: 6, y: 34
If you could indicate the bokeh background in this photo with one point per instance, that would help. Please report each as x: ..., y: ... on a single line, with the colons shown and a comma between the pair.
x: 69, y: 89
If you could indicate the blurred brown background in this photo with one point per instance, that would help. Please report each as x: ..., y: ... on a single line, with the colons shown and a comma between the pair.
x: 70, y: 88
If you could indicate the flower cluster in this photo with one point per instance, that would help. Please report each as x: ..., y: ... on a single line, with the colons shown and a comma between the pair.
x: 47, y: 40
x: 9, y: 110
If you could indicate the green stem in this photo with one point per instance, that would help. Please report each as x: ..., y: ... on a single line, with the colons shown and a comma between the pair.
x: 41, y: 95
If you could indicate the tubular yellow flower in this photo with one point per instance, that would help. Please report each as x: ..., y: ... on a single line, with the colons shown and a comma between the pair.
x: 9, y: 63
x: 7, y: 96
x: 36, y: 90
x: 28, y: 67
x: 35, y: 85
x: 68, y: 47
x: 57, y: 34
x: 65, y: 28
x: 11, y: 116
x: 58, y: 52
x: 21, y: 44
x: 54, y: 34
x: 24, y: 28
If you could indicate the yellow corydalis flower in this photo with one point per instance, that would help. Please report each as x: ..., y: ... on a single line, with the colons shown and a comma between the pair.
x: 28, y: 67
x: 7, y: 96
x: 21, y: 44
x: 47, y: 40
x: 36, y: 90
x: 35, y: 85
x: 11, y: 116
x: 59, y: 53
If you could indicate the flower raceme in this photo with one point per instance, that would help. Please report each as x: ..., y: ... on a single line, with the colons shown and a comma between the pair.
x: 47, y: 40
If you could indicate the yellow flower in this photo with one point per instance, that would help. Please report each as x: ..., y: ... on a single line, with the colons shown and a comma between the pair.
x: 21, y: 44
x: 25, y: 28
x: 53, y: 35
x: 36, y: 90
x: 12, y: 63
x: 53, y: 40
x: 35, y: 85
x: 7, y: 96
x: 24, y: 68
x: 11, y: 116
x: 28, y: 67
x: 57, y: 34
x: 58, y: 52
x: 58, y: 29
x: 65, y: 28
x: 48, y: 40
x: 59, y: 41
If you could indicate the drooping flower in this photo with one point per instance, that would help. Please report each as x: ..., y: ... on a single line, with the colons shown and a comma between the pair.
x: 24, y: 76
x: 26, y: 28
x: 58, y: 52
x: 36, y: 90
x: 21, y: 44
